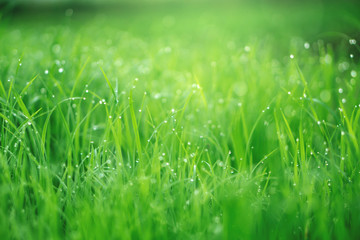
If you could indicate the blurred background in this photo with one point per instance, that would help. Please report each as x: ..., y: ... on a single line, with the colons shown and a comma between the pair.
x: 307, y: 19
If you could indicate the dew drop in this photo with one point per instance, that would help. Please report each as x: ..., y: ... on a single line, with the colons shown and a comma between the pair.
x: 353, y: 73
x: 352, y: 41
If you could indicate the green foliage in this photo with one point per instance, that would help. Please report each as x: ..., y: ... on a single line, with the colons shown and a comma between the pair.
x: 184, y: 123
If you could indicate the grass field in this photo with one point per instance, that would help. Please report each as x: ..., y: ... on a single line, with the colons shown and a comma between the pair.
x: 180, y: 121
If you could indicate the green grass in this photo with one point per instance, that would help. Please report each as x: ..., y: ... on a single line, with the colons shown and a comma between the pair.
x: 180, y: 122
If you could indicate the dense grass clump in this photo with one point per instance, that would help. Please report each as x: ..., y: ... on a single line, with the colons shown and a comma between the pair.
x: 185, y: 122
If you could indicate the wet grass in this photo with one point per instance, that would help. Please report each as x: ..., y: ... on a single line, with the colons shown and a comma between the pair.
x: 185, y: 122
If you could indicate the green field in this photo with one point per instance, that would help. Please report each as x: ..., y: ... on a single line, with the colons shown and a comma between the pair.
x: 180, y: 121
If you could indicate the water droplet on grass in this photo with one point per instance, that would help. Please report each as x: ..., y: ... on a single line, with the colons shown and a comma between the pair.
x: 353, y: 73
x: 343, y: 66
x: 352, y: 41
x: 328, y: 59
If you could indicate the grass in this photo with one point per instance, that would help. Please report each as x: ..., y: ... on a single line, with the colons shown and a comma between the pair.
x: 180, y: 122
